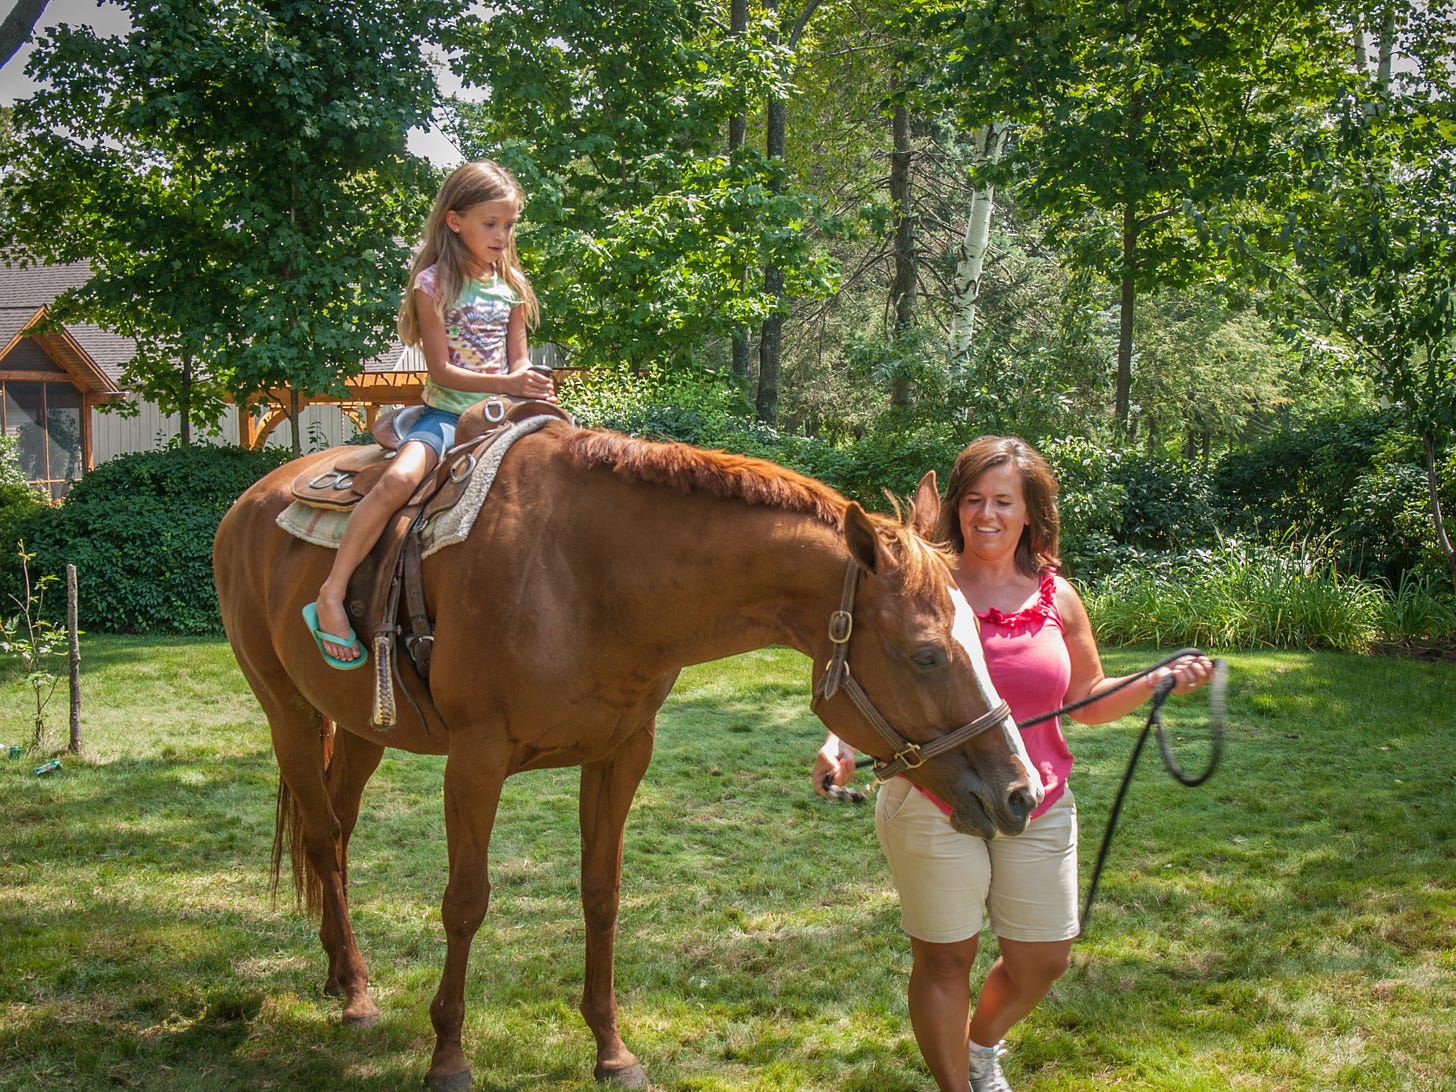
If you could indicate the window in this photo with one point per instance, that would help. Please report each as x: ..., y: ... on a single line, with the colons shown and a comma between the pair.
x: 45, y: 419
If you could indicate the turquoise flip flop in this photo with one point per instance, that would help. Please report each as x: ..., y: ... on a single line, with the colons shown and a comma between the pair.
x: 310, y: 616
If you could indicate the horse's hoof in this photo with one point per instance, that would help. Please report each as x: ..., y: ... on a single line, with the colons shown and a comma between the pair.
x: 631, y: 1076
x: 361, y: 1019
x: 451, y: 1082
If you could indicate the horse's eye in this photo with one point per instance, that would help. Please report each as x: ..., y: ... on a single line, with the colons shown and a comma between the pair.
x: 928, y: 658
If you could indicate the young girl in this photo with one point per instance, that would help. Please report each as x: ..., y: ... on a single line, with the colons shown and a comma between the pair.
x: 467, y: 306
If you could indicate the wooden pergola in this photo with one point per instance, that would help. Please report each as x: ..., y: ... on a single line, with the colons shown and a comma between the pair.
x: 366, y: 394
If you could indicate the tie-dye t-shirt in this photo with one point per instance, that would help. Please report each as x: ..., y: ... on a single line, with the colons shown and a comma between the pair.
x: 475, y: 335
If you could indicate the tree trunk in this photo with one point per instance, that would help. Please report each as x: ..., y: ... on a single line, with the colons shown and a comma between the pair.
x: 1433, y: 483
x: 15, y: 31
x: 1123, y: 395
x: 295, y: 411
x: 184, y: 400
x: 902, y: 291
x: 770, y: 348
x: 770, y: 342
x: 990, y: 141
x: 737, y: 138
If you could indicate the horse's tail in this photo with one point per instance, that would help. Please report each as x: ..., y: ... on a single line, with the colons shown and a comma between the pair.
x: 308, y: 888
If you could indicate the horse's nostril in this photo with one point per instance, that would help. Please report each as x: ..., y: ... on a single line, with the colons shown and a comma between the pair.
x: 1021, y: 802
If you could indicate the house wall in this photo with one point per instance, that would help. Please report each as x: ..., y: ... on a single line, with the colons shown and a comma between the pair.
x: 321, y: 426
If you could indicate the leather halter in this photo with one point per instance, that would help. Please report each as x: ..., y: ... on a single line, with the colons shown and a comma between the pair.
x: 908, y: 754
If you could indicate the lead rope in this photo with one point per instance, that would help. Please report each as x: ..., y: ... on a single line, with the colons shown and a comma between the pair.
x: 1217, y: 689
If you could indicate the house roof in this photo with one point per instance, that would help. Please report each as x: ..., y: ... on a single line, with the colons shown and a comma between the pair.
x: 25, y: 290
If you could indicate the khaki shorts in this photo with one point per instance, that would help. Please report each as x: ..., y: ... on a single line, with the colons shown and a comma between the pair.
x: 950, y: 883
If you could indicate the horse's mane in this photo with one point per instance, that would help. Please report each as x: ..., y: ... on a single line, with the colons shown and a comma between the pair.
x: 753, y: 481
x: 690, y: 469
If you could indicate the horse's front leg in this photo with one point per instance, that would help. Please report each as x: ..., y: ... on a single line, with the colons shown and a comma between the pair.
x: 472, y: 794
x: 607, y: 789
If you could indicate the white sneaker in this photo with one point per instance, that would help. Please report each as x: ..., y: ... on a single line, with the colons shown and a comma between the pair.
x: 986, y: 1075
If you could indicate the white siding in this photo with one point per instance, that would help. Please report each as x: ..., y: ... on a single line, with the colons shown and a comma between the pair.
x: 321, y: 426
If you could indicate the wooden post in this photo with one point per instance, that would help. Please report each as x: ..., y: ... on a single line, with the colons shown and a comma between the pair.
x: 75, y: 659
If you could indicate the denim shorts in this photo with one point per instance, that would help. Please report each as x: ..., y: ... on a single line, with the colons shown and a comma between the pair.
x: 950, y: 883
x: 435, y: 428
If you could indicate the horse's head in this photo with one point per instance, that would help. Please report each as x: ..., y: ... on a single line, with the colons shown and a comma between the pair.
x: 918, y: 689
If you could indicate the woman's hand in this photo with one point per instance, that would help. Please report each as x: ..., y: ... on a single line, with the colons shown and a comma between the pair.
x: 833, y: 765
x: 1190, y: 672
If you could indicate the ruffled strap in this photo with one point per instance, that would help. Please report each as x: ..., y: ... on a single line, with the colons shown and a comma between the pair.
x: 1018, y: 621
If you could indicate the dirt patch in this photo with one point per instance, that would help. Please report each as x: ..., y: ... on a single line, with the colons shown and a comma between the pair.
x: 1429, y: 653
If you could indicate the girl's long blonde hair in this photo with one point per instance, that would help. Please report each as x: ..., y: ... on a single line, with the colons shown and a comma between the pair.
x: 467, y: 185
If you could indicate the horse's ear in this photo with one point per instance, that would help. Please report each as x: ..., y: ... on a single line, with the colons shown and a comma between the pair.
x: 925, y: 508
x: 859, y: 534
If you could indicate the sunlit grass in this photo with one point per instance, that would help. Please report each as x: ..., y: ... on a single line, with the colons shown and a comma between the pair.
x: 1290, y: 925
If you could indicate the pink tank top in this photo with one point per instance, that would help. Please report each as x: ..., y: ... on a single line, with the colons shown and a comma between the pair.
x: 1026, y: 655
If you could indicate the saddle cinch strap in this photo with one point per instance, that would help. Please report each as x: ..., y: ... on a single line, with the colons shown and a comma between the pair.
x: 386, y: 595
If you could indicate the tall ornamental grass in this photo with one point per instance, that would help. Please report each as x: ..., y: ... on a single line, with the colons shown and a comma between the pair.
x: 1248, y: 596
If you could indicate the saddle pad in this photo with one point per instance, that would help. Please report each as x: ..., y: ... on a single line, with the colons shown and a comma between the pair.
x: 454, y: 524
x: 321, y: 526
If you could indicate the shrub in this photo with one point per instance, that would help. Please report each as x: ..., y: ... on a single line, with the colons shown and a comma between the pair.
x: 139, y: 531
x: 18, y: 500
x: 1119, y: 507
x: 1299, y: 479
x: 700, y: 408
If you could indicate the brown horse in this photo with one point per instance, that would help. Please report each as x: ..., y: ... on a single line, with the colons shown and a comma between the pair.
x: 600, y: 567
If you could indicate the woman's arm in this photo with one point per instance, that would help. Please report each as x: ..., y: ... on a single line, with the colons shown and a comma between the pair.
x: 1087, y: 679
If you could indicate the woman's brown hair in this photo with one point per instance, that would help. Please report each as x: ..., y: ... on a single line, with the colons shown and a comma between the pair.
x: 1040, y: 539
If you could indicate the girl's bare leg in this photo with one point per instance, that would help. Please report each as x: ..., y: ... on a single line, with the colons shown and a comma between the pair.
x: 410, y: 465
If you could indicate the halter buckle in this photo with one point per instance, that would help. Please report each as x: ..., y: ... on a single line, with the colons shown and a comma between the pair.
x: 841, y: 625
x: 910, y: 756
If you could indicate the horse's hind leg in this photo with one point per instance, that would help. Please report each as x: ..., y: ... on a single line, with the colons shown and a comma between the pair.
x: 353, y: 762
x: 305, y: 809
x: 607, y: 789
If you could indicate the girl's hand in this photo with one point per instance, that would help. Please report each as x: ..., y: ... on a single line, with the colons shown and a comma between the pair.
x: 1191, y: 672
x: 525, y: 383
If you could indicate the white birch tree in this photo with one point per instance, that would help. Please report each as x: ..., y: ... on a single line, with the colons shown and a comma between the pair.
x: 989, y: 142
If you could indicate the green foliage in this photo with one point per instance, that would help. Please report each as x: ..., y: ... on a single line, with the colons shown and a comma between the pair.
x: 1209, y: 371
x: 695, y: 407
x: 236, y: 175
x: 1136, y: 128
x: 1118, y: 506
x: 1421, y: 611
x: 139, y: 530
x: 18, y: 499
x: 1300, y: 478
x: 34, y: 640
x: 642, y: 236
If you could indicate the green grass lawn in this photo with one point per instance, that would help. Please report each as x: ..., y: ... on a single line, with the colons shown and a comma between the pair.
x: 1289, y: 925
